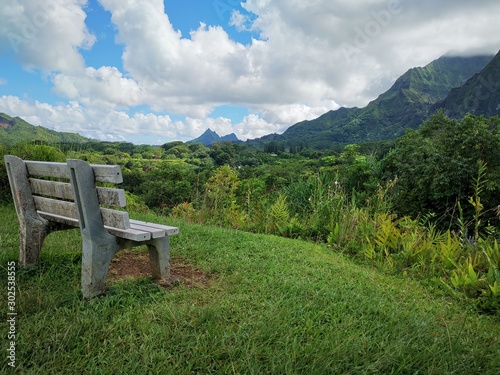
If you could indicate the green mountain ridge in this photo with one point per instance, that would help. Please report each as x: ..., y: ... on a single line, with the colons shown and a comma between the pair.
x: 15, y: 130
x: 480, y: 95
x: 404, y: 106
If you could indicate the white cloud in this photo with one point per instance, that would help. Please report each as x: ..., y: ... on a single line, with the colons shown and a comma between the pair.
x: 93, y: 122
x: 104, y: 87
x: 312, y: 56
x: 45, y: 34
x: 116, y: 125
x: 3, y: 81
x: 192, y: 75
x: 239, y: 20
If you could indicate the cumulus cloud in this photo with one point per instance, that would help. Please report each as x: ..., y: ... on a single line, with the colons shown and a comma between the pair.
x: 310, y: 57
x: 45, y: 34
x: 193, y: 75
x: 95, y: 122
x: 103, y: 87
x: 239, y: 20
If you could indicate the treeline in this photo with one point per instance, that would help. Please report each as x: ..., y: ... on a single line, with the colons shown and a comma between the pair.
x: 427, y: 204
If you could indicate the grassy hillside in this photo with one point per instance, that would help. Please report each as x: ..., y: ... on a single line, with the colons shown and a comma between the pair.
x: 15, y: 130
x: 268, y: 305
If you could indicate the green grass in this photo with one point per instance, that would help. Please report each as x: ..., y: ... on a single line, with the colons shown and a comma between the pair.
x: 273, y: 306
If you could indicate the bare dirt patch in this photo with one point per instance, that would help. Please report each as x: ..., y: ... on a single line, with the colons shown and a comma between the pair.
x: 135, y: 264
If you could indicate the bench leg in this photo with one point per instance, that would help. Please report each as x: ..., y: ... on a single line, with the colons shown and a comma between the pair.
x: 96, y: 259
x: 32, y: 233
x: 159, y: 257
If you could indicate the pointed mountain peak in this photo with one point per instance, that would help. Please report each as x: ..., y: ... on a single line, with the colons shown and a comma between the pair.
x: 210, y: 136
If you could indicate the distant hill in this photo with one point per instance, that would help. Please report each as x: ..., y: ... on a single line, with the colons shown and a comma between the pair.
x: 404, y: 106
x: 15, y: 130
x: 210, y: 137
x: 480, y: 95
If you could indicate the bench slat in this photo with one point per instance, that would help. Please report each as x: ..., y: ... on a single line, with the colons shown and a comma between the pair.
x: 54, y: 206
x: 155, y: 232
x: 60, y: 219
x: 64, y: 190
x: 111, y: 196
x: 170, y: 231
x: 56, y: 189
x: 128, y: 234
x: 115, y: 219
x: 102, y: 173
x: 47, y: 169
x: 111, y: 218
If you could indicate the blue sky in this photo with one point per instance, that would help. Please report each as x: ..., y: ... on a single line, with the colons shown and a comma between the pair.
x: 153, y: 71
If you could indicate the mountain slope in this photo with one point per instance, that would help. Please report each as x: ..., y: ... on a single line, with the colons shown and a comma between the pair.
x: 210, y: 137
x: 405, y: 105
x: 15, y: 130
x: 480, y: 95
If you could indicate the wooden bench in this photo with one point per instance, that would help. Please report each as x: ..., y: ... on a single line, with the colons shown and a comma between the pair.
x: 44, y: 205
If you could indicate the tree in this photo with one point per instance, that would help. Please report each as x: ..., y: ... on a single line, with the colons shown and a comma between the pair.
x: 437, y: 164
x: 168, y: 185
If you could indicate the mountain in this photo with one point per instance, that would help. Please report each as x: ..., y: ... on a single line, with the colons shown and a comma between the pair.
x: 210, y: 137
x: 480, y: 95
x: 405, y: 105
x: 15, y: 130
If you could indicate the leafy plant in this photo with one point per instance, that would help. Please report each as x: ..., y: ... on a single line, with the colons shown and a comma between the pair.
x: 280, y: 215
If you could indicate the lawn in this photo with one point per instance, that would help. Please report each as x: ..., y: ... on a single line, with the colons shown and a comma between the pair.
x: 245, y: 304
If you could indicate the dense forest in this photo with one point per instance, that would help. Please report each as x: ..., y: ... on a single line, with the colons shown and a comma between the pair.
x: 426, y: 205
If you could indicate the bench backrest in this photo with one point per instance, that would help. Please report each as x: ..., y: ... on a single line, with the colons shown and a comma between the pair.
x: 56, y: 200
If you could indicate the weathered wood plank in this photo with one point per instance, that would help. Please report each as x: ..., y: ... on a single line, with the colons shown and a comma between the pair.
x: 59, y: 219
x: 155, y: 232
x: 102, y: 173
x: 111, y: 218
x: 64, y: 190
x: 171, y: 231
x: 107, y: 173
x: 47, y: 169
x: 54, y: 206
x: 111, y: 196
x: 128, y: 234
x: 54, y: 189
x: 115, y: 219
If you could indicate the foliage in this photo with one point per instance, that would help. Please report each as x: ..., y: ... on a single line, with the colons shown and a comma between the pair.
x: 437, y: 164
x: 279, y: 215
x: 167, y: 185
x: 220, y: 205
